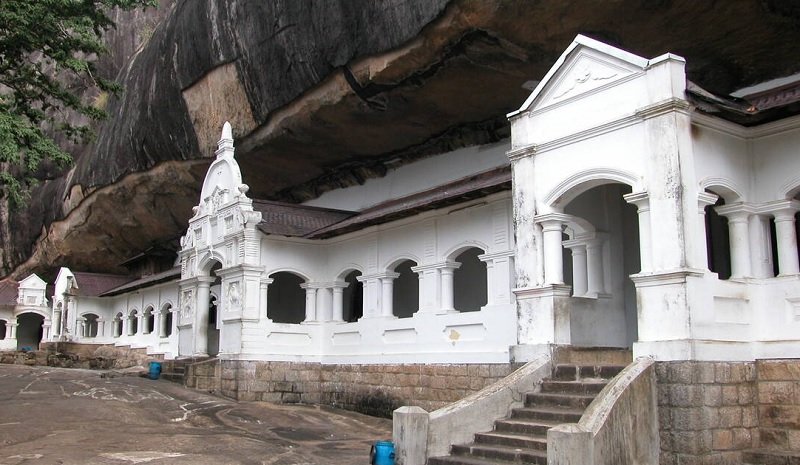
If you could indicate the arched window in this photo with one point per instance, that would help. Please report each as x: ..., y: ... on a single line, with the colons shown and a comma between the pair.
x: 90, y: 325
x: 149, y: 321
x: 353, y: 297
x: 469, y: 281
x: 133, y: 323
x: 718, y: 241
x: 166, y: 321
x: 286, y: 300
x: 405, y: 295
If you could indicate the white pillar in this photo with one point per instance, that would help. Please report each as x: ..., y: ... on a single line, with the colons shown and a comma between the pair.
x: 387, y: 293
x: 323, y: 308
x: 739, y: 232
x: 201, y: 314
x: 552, y: 237
x: 579, y: 270
x: 446, y: 276
x: 8, y: 334
x: 263, y: 297
x: 338, y: 307
x: 704, y: 199
x: 760, y: 247
x: 311, y: 303
x: 786, y: 234
x: 13, y: 330
x: 595, y: 278
x: 57, y: 322
x: 162, y: 323
x: 642, y: 202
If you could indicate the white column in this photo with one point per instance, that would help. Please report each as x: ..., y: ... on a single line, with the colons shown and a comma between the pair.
x: 57, y: 322
x: 311, y: 303
x: 446, y: 276
x: 263, y: 293
x: 739, y: 232
x: 642, y: 202
x: 338, y: 312
x: 162, y: 323
x: 786, y: 234
x: 580, y: 284
x: 322, y: 308
x: 595, y: 278
x: 201, y: 314
x: 8, y: 334
x: 387, y: 293
x: 552, y: 237
x: 760, y: 247
x: 13, y: 330
x: 704, y: 199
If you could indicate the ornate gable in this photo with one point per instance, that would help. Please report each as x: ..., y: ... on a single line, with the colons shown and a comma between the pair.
x: 587, y: 66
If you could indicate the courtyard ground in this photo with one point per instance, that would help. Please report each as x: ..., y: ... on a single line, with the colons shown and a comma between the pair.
x: 68, y: 416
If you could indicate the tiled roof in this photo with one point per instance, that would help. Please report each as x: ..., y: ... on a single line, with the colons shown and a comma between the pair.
x: 95, y: 284
x: 286, y: 219
x: 168, y: 275
x: 471, y: 187
x: 8, y: 292
x: 294, y: 220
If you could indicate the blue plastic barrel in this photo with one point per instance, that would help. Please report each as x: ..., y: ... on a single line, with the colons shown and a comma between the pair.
x: 155, y: 370
x: 382, y: 453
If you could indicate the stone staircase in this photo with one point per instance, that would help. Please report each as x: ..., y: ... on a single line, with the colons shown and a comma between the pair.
x: 521, y: 438
x: 175, y: 370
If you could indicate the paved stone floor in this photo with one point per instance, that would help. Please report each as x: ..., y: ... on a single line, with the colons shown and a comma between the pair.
x: 63, y: 416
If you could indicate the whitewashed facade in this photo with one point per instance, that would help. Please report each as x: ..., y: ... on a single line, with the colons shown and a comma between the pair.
x: 601, y: 240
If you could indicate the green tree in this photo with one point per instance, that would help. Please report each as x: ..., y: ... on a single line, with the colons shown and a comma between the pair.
x: 45, y: 44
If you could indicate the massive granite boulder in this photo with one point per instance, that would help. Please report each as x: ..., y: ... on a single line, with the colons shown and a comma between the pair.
x: 329, y: 94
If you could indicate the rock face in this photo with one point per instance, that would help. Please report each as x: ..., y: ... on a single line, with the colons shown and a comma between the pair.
x: 328, y: 94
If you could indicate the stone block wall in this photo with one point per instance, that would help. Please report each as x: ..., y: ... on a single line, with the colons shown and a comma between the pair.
x: 707, y: 412
x: 371, y: 389
x: 779, y: 404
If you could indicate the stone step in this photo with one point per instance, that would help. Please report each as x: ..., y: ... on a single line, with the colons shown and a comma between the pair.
x: 593, y: 356
x: 770, y: 457
x: 579, y: 372
x: 465, y: 460
x: 573, y: 387
x: 524, y: 426
x: 501, y: 453
x: 556, y: 414
x: 512, y: 440
x: 543, y: 399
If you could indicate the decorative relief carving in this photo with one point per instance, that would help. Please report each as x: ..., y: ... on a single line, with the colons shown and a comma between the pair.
x: 234, y: 294
x: 187, y: 304
x: 581, y: 76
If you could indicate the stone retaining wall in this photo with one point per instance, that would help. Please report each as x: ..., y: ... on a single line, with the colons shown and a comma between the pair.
x: 372, y: 389
x: 779, y: 404
x: 76, y: 355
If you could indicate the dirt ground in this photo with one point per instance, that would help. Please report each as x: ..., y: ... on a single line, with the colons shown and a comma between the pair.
x: 70, y: 416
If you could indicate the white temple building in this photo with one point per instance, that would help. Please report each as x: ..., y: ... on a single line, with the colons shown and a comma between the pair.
x: 622, y: 213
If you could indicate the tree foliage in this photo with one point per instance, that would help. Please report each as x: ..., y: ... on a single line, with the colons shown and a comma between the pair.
x: 44, y: 45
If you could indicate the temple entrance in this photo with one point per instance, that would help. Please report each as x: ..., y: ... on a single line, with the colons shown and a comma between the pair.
x: 30, y: 329
x: 212, y: 333
x: 601, y: 251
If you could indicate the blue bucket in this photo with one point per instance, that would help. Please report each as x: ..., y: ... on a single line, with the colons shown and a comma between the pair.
x: 382, y: 453
x: 155, y: 370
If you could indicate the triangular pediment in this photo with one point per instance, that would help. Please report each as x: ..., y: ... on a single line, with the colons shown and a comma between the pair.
x: 585, y: 67
x: 32, y: 282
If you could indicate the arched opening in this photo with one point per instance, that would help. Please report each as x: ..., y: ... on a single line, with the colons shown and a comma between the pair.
x: 405, y: 295
x: 353, y: 297
x: 718, y: 240
x: 469, y: 281
x: 602, y: 255
x: 148, y: 321
x: 3, y: 329
x: 286, y: 300
x: 133, y: 323
x: 90, y: 325
x: 30, y: 328
x: 118, y: 325
x: 211, y: 315
x: 166, y: 321
x: 212, y: 333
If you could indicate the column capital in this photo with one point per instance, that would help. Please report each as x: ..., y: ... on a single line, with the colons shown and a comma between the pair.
x: 705, y: 199
x: 640, y: 199
x: 377, y: 276
x: 486, y: 257
x: 576, y: 245
x: 783, y: 210
x: 551, y: 221
x: 736, y: 212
